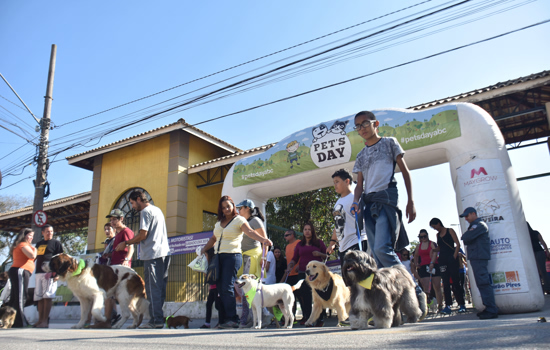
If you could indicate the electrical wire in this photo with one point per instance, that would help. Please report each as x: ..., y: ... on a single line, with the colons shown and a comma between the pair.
x: 247, y: 62
x: 426, y: 24
x: 232, y: 88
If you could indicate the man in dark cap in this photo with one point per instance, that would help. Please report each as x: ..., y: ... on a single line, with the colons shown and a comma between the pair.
x: 478, y: 251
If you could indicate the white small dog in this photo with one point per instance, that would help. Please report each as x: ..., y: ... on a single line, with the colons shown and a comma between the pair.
x: 279, y: 294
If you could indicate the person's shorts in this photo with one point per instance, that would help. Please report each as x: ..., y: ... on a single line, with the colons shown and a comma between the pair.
x: 45, y: 287
x: 423, y: 271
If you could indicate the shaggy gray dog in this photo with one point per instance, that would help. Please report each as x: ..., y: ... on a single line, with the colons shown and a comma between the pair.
x: 392, y: 291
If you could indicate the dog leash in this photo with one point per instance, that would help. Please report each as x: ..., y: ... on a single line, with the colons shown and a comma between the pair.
x: 172, y: 315
x: 262, y: 275
x: 358, y: 231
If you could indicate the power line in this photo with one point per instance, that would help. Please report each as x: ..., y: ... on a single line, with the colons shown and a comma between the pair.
x: 118, y: 128
x: 234, y: 86
x: 13, y: 132
x: 478, y: 6
x: 373, y: 73
x: 15, y: 183
x: 21, y: 120
x: 247, y: 80
x: 247, y: 62
x: 12, y: 89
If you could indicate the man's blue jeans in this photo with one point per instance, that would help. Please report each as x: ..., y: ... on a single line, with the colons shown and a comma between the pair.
x: 380, y: 240
x: 155, y: 272
x: 230, y: 263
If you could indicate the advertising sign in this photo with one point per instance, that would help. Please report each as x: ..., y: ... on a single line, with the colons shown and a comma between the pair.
x: 185, y: 244
x: 483, y: 187
x: 336, y: 142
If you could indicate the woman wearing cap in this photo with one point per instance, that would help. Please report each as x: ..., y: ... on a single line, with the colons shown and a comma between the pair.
x: 229, y: 231
x: 252, y: 250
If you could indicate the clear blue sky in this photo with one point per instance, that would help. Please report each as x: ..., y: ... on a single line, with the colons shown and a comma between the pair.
x: 110, y: 53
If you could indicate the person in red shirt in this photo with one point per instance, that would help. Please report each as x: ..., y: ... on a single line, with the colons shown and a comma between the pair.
x: 122, y: 257
x: 123, y: 233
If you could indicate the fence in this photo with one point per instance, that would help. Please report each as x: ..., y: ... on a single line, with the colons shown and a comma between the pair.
x: 183, y: 285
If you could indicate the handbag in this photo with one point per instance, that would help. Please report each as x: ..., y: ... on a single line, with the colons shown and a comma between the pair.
x: 213, y: 272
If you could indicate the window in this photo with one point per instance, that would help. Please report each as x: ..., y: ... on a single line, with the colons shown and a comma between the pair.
x: 131, y: 216
x: 208, y: 221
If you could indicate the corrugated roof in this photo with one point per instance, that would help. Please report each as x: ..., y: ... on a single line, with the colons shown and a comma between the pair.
x: 261, y: 148
x: 494, y: 87
x: 82, y: 196
x: 180, y: 121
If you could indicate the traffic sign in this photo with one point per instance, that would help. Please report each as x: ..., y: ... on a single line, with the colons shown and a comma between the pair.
x: 40, y: 218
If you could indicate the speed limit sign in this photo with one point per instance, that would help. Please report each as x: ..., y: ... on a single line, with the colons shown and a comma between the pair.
x: 40, y: 218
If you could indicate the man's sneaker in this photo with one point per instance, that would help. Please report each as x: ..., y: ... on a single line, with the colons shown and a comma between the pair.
x: 115, y: 319
x: 229, y: 325
x: 446, y: 310
x: 462, y: 309
x: 205, y: 326
x: 151, y: 326
x: 320, y: 323
x: 485, y: 315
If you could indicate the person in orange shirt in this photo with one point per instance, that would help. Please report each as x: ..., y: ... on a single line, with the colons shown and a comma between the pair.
x: 23, y: 254
x: 291, y: 276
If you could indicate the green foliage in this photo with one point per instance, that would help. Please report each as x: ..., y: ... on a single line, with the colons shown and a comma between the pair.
x: 293, y: 211
x: 74, y: 242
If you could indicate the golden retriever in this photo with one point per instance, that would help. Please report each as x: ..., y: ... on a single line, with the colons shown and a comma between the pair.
x: 328, y: 291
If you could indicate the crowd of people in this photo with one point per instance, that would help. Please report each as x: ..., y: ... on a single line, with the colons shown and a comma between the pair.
x: 366, y: 217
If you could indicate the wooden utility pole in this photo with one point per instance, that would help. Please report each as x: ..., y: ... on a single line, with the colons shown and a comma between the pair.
x: 43, y: 163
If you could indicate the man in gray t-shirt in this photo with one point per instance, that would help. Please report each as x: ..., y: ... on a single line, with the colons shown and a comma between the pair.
x: 154, y: 251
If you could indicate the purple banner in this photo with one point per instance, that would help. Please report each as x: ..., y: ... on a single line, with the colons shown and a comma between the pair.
x: 186, y: 244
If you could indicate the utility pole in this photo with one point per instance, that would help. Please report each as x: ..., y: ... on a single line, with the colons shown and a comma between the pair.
x: 43, y: 163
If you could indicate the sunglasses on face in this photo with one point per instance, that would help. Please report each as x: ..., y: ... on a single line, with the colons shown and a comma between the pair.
x: 423, y: 236
x: 288, y: 235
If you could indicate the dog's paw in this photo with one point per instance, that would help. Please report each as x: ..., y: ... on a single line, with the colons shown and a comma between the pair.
x: 77, y: 326
x: 132, y: 326
x: 258, y: 327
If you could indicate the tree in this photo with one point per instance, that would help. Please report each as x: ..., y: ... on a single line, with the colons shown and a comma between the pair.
x: 13, y: 202
x: 74, y: 242
x: 291, y: 212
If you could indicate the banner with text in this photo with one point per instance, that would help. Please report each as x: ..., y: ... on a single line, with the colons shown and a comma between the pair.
x: 336, y: 142
x: 483, y: 187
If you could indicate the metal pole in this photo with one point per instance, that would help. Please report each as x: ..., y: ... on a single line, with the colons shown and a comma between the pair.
x: 43, y: 162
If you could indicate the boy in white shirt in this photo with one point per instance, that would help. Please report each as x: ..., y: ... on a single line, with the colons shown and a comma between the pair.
x: 345, y: 232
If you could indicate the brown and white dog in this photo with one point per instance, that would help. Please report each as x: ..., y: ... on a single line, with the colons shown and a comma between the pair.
x: 91, y: 283
x: 328, y: 291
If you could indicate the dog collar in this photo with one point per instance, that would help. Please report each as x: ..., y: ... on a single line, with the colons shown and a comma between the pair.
x: 250, y: 295
x: 166, y: 321
x: 367, y: 283
x: 81, y: 265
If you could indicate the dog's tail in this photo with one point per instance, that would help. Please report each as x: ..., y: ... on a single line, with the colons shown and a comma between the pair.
x: 297, y: 285
x: 423, y: 304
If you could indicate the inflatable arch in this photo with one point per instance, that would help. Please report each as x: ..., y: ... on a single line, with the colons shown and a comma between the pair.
x: 462, y: 134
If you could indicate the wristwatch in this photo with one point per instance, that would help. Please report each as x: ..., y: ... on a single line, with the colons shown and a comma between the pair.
x: 126, y: 259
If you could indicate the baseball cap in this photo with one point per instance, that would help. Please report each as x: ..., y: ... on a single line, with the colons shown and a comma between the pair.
x: 117, y: 213
x: 468, y: 211
x: 246, y: 203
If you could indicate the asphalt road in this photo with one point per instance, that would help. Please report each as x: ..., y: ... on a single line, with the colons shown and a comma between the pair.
x: 519, y: 331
